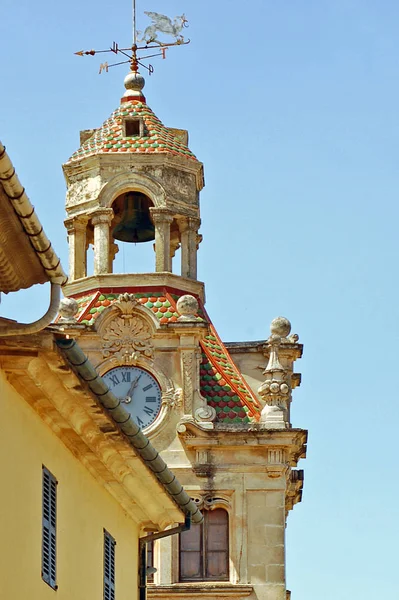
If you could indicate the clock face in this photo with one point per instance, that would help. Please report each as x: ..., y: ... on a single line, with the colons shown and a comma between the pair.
x: 139, y: 392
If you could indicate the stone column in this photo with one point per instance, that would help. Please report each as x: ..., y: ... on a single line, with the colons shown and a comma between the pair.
x: 101, y: 220
x: 189, y: 234
x: 76, y: 228
x: 162, y: 220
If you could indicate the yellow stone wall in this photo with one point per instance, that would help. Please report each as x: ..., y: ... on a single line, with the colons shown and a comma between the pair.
x: 84, y: 510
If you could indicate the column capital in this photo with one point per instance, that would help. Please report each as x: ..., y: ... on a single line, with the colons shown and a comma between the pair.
x: 161, y: 215
x: 189, y: 224
x: 78, y: 223
x: 102, y: 215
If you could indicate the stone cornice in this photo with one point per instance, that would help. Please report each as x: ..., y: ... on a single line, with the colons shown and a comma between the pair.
x: 296, y: 350
x: 91, y: 163
x: 288, y: 445
x: 124, y: 282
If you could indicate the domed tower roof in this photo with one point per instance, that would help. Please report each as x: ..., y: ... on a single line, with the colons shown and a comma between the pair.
x: 134, y: 128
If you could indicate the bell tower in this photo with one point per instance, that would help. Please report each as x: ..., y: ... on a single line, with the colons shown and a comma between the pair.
x: 218, y: 412
x: 132, y: 180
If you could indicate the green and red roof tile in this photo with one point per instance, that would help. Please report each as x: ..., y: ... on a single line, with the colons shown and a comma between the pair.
x: 221, y: 383
x: 110, y: 138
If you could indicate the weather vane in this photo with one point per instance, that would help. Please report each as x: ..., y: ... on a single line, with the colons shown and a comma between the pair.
x: 146, y: 41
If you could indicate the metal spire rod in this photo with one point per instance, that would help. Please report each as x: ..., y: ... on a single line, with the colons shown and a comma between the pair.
x: 134, y: 23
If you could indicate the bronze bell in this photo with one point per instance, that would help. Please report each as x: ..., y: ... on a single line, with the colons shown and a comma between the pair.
x: 136, y: 225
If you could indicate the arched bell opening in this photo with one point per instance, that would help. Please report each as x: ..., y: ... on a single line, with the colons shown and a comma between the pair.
x: 131, y: 227
x: 132, y: 221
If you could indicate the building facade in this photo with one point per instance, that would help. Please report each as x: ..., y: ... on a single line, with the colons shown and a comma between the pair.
x: 218, y: 413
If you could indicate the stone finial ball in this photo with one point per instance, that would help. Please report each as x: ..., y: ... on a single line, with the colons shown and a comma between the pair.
x: 134, y: 81
x: 280, y: 326
x: 68, y: 308
x: 187, y: 306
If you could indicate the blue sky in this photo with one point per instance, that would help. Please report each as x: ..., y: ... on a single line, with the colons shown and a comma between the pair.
x: 293, y: 108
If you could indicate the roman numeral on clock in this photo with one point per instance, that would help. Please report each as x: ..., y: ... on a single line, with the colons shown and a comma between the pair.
x: 148, y: 411
x: 126, y: 376
x: 151, y: 399
x: 147, y: 387
x: 114, y: 379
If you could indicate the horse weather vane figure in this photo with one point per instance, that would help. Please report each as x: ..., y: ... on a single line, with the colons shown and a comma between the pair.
x: 161, y: 24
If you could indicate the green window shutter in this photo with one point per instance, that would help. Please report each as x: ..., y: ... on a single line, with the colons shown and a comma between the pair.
x: 109, y: 566
x: 49, y: 528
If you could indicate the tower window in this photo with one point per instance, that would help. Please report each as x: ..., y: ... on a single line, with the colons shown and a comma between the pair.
x: 49, y: 528
x: 133, y: 127
x: 204, y: 549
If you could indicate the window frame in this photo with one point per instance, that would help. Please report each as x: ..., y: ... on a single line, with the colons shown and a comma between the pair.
x: 49, y: 528
x: 109, y: 567
x: 129, y: 120
x: 205, y: 550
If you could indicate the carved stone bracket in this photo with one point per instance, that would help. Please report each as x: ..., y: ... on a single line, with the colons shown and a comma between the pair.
x: 294, y: 488
x: 276, y: 463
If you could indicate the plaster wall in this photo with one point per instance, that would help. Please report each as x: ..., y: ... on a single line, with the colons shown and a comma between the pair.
x: 84, y: 510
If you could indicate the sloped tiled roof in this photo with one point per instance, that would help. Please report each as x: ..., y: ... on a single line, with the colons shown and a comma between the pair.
x: 26, y: 254
x: 221, y: 383
x: 109, y: 138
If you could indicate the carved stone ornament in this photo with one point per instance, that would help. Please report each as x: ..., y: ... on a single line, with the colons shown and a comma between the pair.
x: 128, y: 336
x: 68, y: 310
x: 188, y: 368
x: 173, y: 397
x: 276, y: 389
x: 187, y: 307
x: 210, y: 501
x: 281, y: 327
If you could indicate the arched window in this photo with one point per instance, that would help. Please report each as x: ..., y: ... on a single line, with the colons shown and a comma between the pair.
x: 204, y: 549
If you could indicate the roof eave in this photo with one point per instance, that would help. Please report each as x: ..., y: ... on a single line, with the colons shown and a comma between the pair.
x: 19, y: 203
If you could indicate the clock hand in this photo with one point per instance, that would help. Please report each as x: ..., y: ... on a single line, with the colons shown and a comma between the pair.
x: 129, y: 396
